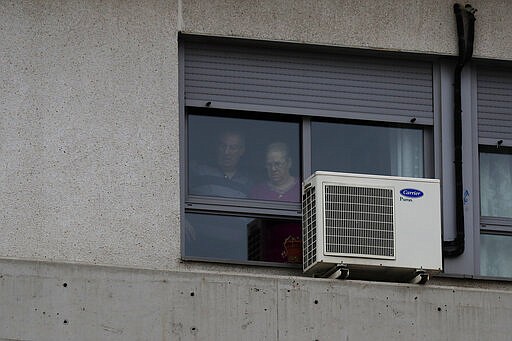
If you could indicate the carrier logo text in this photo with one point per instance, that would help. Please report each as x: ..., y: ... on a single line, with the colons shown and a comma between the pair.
x: 411, y: 193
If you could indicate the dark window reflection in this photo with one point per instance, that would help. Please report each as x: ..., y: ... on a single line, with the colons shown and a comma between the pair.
x: 367, y: 149
x: 243, y: 158
x: 243, y: 238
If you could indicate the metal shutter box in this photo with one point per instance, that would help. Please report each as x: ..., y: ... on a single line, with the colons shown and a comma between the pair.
x: 307, y: 81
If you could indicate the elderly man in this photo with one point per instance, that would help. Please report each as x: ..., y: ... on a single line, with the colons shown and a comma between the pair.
x: 225, y: 179
x: 215, y: 236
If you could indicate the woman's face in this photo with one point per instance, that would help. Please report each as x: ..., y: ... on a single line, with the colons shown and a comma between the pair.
x: 278, y: 167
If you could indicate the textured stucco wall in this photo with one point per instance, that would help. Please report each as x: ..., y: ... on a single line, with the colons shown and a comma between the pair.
x: 88, y: 131
x: 411, y: 25
x: 89, y: 143
x: 408, y: 25
x: 89, y: 108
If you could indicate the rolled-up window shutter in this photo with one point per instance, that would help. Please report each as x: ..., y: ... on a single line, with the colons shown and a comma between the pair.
x: 494, y: 105
x: 303, y: 81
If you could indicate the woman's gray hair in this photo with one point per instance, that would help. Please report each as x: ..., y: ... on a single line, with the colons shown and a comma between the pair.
x: 279, y: 147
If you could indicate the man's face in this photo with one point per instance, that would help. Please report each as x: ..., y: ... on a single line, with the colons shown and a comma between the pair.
x: 278, y: 167
x: 229, y: 152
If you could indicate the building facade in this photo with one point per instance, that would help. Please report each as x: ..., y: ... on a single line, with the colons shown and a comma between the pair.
x: 126, y: 125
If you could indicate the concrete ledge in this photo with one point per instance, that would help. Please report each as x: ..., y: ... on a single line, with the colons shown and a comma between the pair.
x: 44, y: 301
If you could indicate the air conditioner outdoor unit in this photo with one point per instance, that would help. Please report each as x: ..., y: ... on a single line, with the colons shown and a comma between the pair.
x: 371, y: 227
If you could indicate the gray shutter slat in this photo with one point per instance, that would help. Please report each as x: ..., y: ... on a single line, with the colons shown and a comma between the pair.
x: 310, y: 61
x: 496, y: 127
x: 211, y: 82
x: 259, y: 97
x: 494, y: 104
x: 376, y: 70
x: 497, y: 113
x: 492, y: 87
x: 493, y: 100
x: 400, y: 96
x: 414, y: 89
x: 298, y: 81
x: 370, y: 114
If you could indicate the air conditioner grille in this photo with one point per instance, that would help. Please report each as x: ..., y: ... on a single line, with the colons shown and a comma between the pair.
x: 309, y: 226
x: 359, y: 221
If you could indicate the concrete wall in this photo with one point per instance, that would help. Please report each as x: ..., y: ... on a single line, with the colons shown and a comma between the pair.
x: 88, y: 131
x: 41, y: 301
x: 408, y: 25
x: 89, y: 141
x: 89, y: 108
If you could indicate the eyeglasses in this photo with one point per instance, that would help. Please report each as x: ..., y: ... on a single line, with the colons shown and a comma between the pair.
x: 228, y: 148
x: 275, y: 165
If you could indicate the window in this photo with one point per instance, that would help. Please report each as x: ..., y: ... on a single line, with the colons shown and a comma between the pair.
x: 496, y: 183
x: 260, y: 117
x: 244, y: 178
x: 496, y: 211
x: 245, y: 169
x: 367, y: 149
x: 494, y: 121
x: 227, y: 155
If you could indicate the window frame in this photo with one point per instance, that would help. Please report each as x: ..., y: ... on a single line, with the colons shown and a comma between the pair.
x: 485, y: 225
x: 271, y: 209
x: 284, y: 210
x: 245, y: 205
x: 491, y: 224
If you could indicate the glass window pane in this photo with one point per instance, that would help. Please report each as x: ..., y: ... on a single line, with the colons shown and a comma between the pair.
x: 243, y: 158
x: 496, y: 185
x: 243, y: 238
x: 367, y: 149
x: 495, y: 255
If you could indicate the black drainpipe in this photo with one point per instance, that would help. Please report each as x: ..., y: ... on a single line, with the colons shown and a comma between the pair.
x: 466, y: 33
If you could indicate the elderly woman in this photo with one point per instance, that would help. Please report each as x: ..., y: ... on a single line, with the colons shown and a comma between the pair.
x: 281, y: 185
x: 281, y: 240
